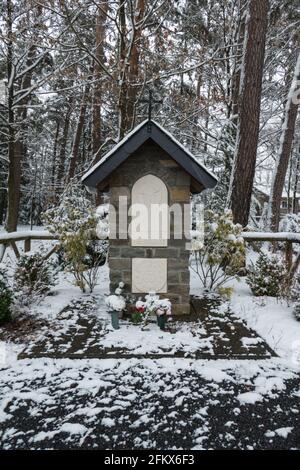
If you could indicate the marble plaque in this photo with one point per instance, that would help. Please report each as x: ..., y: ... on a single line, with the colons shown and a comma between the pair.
x: 149, y: 275
x: 150, y: 212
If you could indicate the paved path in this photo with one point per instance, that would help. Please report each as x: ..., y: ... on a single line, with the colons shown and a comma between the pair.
x: 79, y: 333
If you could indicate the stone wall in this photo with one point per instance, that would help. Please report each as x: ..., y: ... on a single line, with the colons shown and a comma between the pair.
x: 151, y: 159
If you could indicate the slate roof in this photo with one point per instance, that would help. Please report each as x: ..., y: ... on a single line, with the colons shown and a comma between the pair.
x: 134, y: 140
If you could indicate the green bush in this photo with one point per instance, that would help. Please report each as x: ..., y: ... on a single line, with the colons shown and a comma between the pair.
x: 296, y: 311
x: 267, y: 276
x: 33, y: 278
x: 6, y: 299
x: 219, y: 256
x: 295, y: 296
x: 78, y: 225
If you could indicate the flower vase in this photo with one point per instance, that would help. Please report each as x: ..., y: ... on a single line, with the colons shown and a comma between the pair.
x: 115, y: 319
x: 161, y: 321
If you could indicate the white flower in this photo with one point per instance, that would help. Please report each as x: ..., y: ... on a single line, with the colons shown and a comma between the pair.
x: 197, y: 245
x: 165, y: 304
x: 115, y: 302
x: 102, y: 230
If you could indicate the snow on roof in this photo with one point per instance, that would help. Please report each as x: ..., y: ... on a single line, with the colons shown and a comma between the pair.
x: 179, y: 144
x: 118, y: 146
x: 113, y: 150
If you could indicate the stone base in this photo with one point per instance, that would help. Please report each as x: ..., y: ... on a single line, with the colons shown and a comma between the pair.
x: 181, y: 309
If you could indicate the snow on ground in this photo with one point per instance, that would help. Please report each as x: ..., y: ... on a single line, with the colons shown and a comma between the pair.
x: 187, y: 339
x: 272, y: 318
x: 152, y: 404
x: 65, y: 292
x: 162, y: 403
x: 9, y: 353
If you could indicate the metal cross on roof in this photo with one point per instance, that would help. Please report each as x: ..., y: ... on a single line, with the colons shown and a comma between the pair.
x: 150, y: 101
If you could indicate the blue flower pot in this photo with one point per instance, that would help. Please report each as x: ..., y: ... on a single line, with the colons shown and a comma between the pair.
x: 115, y: 320
x: 161, y: 321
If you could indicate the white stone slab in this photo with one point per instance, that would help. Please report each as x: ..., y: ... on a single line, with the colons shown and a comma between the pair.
x: 150, y: 212
x: 149, y: 275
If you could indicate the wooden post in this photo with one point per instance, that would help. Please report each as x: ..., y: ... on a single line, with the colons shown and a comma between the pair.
x: 289, y: 255
x: 27, y: 245
x: 15, y: 248
x: 50, y: 253
x: 295, y: 266
x: 2, y: 251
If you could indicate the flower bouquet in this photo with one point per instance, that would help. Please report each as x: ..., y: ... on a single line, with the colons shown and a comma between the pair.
x: 138, y: 312
x: 116, y: 304
x: 162, y: 308
x: 163, y: 311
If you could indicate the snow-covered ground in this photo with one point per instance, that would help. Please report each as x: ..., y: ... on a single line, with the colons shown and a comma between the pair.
x: 269, y: 317
x: 272, y: 318
x: 152, y: 340
x: 151, y: 404
x: 160, y: 403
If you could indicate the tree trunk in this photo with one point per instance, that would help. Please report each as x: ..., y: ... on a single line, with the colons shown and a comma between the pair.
x: 286, y: 141
x: 122, y: 102
x: 295, y: 207
x: 249, y: 111
x: 62, y: 154
x: 53, y: 163
x: 98, y: 76
x: 14, y: 151
x: 3, y: 197
x: 236, y: 76
x: 23, y: 125
x: 78, y: 134
x: 134, y: 66
x: 18, y: 125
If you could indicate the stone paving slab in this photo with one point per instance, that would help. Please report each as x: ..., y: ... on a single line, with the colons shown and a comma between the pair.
x: 79, y: 333
x: 228, y: 331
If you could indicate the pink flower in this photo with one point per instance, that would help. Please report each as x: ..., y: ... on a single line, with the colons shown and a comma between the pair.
x: 140, y: 306
x: 140, y: 309
x: 160, y: 312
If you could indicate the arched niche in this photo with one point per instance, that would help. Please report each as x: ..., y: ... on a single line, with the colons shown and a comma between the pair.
x: 149, y: 212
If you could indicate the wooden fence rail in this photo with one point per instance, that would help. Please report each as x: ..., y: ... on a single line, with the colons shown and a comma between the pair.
x: 286, y: 237
x: 11, y: 239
